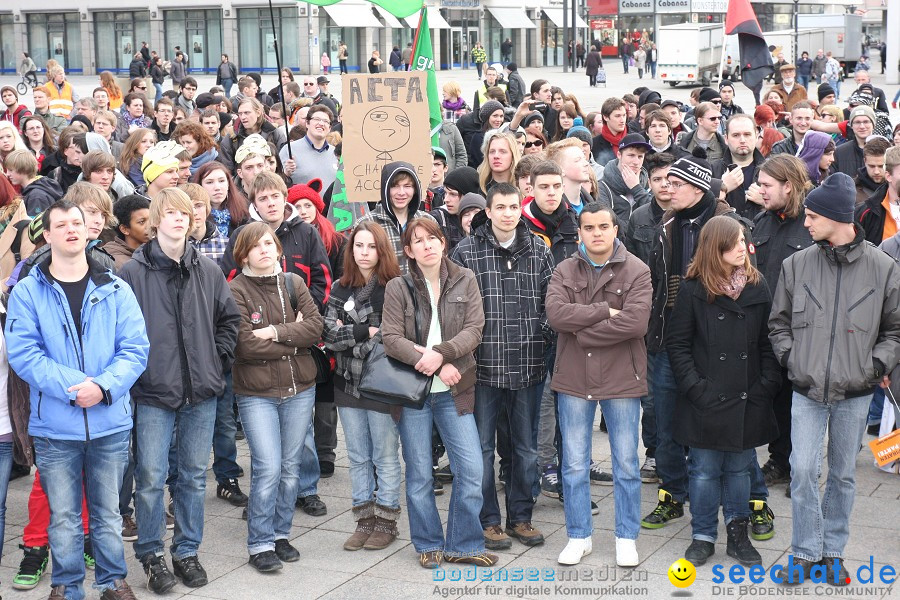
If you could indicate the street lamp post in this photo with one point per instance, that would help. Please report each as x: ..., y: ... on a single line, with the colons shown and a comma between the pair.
x: 796, y: 33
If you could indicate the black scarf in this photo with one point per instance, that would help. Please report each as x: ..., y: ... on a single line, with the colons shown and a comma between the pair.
x: 686, y: 231
x: 552, y: 221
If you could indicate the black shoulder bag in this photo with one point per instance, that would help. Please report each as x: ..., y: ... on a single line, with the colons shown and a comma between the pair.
x: 390, y: 381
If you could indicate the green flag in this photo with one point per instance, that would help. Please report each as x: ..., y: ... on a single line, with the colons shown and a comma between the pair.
x: 399, y: 8
x: 423, y: 60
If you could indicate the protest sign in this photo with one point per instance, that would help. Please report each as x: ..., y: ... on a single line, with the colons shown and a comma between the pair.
x: 384, y: 119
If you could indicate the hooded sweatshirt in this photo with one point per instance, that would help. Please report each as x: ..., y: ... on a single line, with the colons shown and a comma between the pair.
x: 40, y: 194
x: 383, y: 214
x: 613, y: 191
x: 121, y: 186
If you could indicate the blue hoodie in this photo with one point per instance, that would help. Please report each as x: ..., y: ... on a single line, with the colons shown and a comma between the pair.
x: 47, y: 353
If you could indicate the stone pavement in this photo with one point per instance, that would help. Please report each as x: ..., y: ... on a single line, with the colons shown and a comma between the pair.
x: 325, y: 570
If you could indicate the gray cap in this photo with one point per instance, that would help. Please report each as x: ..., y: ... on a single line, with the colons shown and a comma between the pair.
x: 471, y: 200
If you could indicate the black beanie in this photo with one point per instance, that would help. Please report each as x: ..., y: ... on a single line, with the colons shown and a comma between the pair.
x: 693, y: 169
x: 708, y: 95
x: 487, y: 109
x: 463, y: 179
x: 824, y: 90
x: 834, y: 199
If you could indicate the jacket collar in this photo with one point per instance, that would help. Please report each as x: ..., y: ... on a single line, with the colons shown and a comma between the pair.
x: 848, y: 253
x: 751, y: 295
x: 519, y: 246
x: 99, y: 275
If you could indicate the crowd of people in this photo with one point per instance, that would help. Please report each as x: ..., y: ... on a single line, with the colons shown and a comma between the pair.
x: 707, y: 276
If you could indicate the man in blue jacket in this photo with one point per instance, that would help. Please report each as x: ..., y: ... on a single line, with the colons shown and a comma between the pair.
x: 76, y: 334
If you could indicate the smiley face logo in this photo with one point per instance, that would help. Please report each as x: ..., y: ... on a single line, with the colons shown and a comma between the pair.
x: 682, y: 573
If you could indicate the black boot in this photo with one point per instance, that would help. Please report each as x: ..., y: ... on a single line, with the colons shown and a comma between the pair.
x: 739, y: 545
x: 699, y: 551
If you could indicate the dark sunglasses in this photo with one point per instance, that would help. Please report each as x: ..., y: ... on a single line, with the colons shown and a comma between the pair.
x: 714, y: 118
x: 537, y: 143
x: 142, y: 87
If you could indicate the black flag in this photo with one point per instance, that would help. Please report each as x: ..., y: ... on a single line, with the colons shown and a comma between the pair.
x: 756, y: 60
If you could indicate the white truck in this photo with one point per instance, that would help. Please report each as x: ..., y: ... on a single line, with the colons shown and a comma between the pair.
x: 690, y: 52
x: 808, y: 40
x: 843, y: 36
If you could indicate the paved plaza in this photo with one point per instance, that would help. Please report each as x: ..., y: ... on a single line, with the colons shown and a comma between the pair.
x: 325, y: 570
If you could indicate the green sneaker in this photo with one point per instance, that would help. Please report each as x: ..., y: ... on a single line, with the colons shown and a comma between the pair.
x: 667, y: 509
x: 32, y: 567
x: 762, y: 520
x: 89, y: 561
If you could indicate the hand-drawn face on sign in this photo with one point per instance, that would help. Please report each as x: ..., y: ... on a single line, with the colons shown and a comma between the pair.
x: 386, y: 129
x: 385, y: 119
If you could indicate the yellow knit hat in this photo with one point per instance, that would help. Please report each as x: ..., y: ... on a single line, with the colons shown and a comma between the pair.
x: 159, y: 159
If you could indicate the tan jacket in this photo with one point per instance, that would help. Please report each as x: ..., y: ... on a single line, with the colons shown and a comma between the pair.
x: 599, y: 357
x: 461, y: 317
x: 798, y: 93
x: 270, y: 368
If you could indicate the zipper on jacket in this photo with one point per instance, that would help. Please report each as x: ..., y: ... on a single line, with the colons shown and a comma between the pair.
x: 40, y: 400
x: 284, y: 320
x: 80, y: 354
x: 861, y: 300
x: 813, y: 298
x: 186, y: 390
x: 837, y: 295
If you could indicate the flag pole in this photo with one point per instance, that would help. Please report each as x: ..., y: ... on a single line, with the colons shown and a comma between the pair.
x: 287, y: 128
x: 722, y: 58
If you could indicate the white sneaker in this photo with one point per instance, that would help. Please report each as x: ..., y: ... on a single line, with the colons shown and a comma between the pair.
x: 574, y: 551
x: 626, y: 553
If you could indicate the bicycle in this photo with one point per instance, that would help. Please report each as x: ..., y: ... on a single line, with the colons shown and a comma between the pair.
x: 23, y: 86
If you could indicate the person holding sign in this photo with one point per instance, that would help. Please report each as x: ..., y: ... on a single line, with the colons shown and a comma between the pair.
x: 401, y: 201
x: 826, y: 299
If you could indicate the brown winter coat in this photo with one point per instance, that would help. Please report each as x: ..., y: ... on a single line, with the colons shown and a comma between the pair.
x: 599, y: 357
x: 460, y: 313
x: 265, y: 367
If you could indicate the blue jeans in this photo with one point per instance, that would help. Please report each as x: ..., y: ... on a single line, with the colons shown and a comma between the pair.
x: 275, y: 431
x: 670, y: 463
x: 625, y: 62
x: 6, y: 461
x: 61, y: 464
x: 126, y: 490
x: 521, y: 415
x: 309, y: 466
x: 718, y: 479
x: 159, y: 92
x: 224, y: 447
x: 464, y: 534
x: 227, y: 84
x: 193, y: 430
x: 576, y: 420
x: 758, y: 488
x: 876, y: 407
x: 372, y: 440
x: 803, y: 80
x: 821, y: 528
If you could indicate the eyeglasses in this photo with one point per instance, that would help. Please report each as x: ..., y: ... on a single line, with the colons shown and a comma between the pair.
x: 322, y: 121
x: 676, y: 185
x: 537, y: 143
x: 718, y: 118
x: 142, y: 87
x: 309, y: 84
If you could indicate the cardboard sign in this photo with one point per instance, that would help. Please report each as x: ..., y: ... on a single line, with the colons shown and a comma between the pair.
x: 886, y: 449
x: 385, y: 119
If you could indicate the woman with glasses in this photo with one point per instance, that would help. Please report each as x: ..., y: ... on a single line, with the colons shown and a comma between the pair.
x: 534, y: 143
x: 37, y: 138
